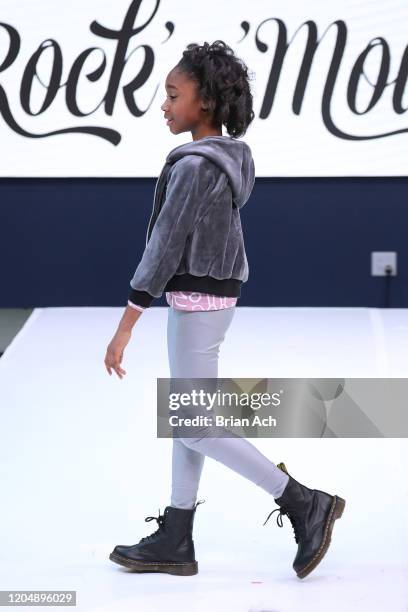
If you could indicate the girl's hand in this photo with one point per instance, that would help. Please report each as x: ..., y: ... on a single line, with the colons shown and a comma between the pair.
x: 114, y: 352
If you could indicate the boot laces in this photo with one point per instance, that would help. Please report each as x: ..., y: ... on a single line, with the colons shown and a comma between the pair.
x: 160, y: 522
x: 292, y: 517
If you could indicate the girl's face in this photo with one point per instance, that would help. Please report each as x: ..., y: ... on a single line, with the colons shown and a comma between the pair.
x: 184, y: 110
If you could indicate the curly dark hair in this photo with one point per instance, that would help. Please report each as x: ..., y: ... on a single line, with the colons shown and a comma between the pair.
x: 223, y: 84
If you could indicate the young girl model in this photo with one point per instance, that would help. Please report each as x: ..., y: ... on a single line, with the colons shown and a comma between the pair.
x: 195, y: 254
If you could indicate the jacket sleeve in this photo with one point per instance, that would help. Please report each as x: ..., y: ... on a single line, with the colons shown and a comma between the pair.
x: 190, y: 180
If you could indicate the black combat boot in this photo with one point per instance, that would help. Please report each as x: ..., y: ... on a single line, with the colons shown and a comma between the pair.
x: 312, y: 514
x: 170, y: 549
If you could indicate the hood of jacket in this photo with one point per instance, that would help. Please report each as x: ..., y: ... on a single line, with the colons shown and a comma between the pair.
x: 234, y: 157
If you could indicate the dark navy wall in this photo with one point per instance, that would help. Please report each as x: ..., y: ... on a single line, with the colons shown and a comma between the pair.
x: 77, y: 242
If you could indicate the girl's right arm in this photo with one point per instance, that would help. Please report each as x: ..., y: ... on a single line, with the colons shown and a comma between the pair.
x: 114, y: 352
x: 129, y: 318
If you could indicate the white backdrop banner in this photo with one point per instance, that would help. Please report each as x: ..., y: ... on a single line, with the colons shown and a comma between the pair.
x: 82, y: 83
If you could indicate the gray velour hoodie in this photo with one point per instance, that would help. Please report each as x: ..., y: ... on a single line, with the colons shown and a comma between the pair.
x: 194, y: 239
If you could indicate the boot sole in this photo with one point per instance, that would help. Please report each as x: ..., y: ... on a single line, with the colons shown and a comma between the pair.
x: 177, y: 569
x: 336, y: 511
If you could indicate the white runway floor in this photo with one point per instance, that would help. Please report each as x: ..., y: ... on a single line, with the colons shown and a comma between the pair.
x: 81, y: 467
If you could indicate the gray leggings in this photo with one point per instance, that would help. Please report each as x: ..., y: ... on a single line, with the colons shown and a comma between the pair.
x: 193, y: 343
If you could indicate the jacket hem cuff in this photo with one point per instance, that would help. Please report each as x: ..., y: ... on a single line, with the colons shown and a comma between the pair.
x: 135, y: 306
x: 140, y: 298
